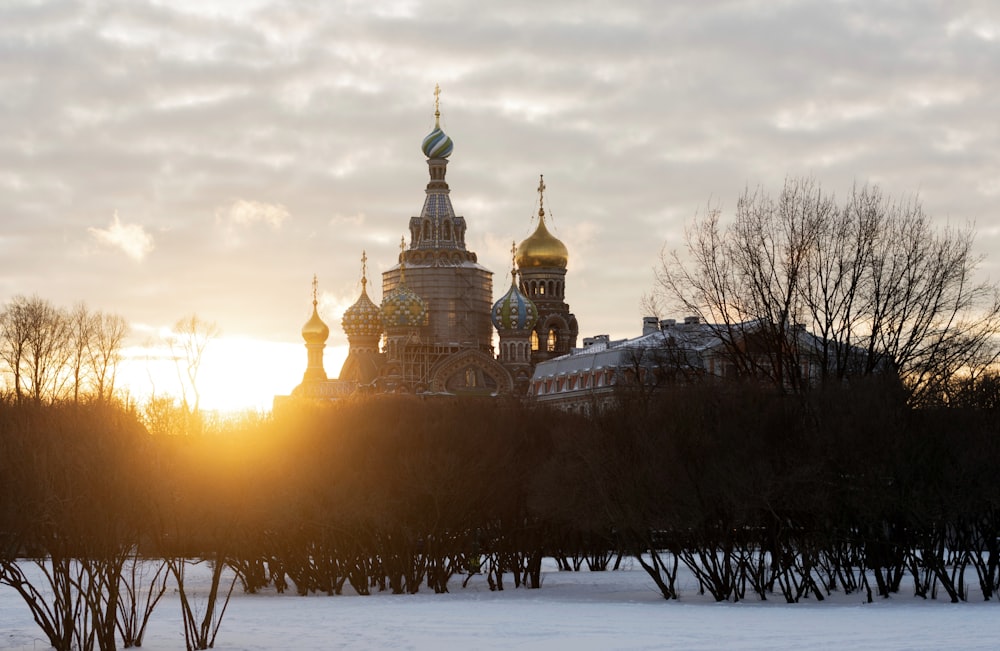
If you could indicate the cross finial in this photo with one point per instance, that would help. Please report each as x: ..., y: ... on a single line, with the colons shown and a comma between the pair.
x: 437, y: 105
x: 364, y: 268
x: 402, y: 260
x: 315, y: 285
x: 541, y: 195
x: 513, y: 260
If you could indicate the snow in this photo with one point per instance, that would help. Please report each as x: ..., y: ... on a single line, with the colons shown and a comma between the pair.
x: 582, y: 611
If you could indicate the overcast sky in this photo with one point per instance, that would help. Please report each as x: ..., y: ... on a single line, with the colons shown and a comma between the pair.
x: 209, y: 156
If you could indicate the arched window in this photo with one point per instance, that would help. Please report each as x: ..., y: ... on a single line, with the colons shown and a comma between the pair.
x: 541, y: 289
x: 447, y: 230
x: 534, y: 340
x: 550, y: 344
x: 427, y: 230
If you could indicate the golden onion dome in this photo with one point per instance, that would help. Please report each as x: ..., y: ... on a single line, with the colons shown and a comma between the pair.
x: 542, y: 248
x: 315, y: 331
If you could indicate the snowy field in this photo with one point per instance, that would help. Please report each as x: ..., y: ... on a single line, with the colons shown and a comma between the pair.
x: 580, y: 611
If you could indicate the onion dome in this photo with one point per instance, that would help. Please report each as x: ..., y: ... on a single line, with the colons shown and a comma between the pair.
x: 363, y: 319
x: 542, y: 248
x: 437, y: 144
x: 514, y: 311
x: 315, y: 331
x: 401, y: 308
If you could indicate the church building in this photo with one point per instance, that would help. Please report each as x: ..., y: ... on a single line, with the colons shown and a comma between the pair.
x: 433, y: 332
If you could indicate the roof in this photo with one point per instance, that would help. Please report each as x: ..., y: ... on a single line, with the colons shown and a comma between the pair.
x: 604, y: 353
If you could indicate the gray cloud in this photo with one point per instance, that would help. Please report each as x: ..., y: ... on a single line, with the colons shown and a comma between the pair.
x: 639, y: 113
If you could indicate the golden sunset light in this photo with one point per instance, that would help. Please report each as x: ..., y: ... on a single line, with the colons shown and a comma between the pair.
x: 237, y: 374
x: 210, y: 157
x: 433, y: 324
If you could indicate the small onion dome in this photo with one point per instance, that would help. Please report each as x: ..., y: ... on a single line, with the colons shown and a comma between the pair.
x: 514, y: 311
x: 401, y: 308
x: 542, y: 249
x: 362, y: 319
x: 315, y: 331
x: 437, y: 144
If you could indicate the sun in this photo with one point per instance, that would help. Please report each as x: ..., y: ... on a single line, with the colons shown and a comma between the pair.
x: 237, y: 373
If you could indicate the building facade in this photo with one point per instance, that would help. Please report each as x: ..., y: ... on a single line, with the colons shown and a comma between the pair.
x: 433, y: 332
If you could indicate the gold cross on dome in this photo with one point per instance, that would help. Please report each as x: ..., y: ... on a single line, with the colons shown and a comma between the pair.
x: 513, y: 258
x: 437, y: 105
x: 364, y: 267
x: 315, y: 284
x: 541, y: 194
x: 402, y: 260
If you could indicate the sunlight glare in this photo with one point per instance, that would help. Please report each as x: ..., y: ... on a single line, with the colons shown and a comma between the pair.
x: 237, y: 374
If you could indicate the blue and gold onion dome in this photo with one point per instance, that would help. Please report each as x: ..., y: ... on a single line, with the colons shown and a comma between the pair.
x: 363, y: 319
x: 401, y: 308
x: 315, y: 331
x: 437, y: 144
x: 514, y: 311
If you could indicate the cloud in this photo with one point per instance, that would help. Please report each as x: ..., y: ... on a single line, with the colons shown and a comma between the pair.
x: 245, y: 213
x: 132, y: 239
x: 637, y: 113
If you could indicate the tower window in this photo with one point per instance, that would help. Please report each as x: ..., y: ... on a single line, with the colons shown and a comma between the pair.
x: 541, y: 289
x: 534, y: 340
x: 447, y: 230
x: 550, y: 344
x: 427, y: 230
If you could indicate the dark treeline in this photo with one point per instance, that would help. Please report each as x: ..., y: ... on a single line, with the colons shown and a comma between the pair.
x: 760, y: 495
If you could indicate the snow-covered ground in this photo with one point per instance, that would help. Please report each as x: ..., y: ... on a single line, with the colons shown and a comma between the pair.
x: 579, y: 611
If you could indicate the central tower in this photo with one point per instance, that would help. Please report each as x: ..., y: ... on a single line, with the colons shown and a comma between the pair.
x: 457, y: 291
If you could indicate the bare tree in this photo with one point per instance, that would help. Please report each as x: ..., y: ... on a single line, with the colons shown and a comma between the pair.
x: 35, y: 347
x: 48, y: 350
x: 80, y: 330
x: 14, y: 331
x: 188, y: 342
x: 105, y: 351
x: 878, y: 285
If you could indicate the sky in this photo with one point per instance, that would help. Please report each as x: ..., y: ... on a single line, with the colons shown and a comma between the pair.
x: 159, y: 159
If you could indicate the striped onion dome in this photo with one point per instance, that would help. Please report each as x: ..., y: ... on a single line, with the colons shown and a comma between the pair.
x: 363, y: 319
x: 437, y: 144
x: 514, y: 311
